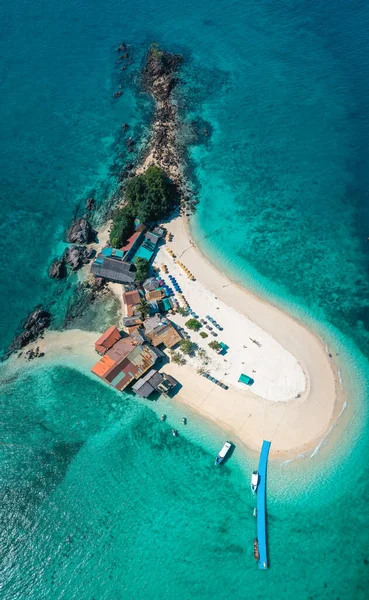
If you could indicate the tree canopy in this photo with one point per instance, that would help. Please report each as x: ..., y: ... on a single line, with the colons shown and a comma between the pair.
x: 193, y: 324
x: 187, y: 347
x: 151, y: 195
x: 122, y: 227
x: 143, y: 268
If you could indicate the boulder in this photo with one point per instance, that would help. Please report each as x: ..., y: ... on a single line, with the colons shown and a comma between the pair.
x: 81, y: 232
x: 57, y: 270
x: 76, y: 256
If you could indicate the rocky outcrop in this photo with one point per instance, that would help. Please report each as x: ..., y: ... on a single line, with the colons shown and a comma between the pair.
x: 158, y: 74
x: 76, y: 256
x: 58, y: 270
x: 37, y: 321
x: 81, y: 232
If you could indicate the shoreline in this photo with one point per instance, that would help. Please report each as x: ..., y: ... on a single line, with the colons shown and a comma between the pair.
x: 293, y: 403
x: 296, y: 426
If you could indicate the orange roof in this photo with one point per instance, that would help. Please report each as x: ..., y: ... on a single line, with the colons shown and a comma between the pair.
x: 131, y: 298
x: 103, y: 366
x: 107, y: 340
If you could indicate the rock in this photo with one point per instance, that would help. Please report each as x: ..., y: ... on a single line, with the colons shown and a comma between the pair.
x: 117, y: 94
x: 81, y: 232
x: 76, y: 256
x: 38, y: 320
x: 58, y: 270
x: 158, y: 75
x: 90, y: 204
x: 122, y: 47
x: 125, y: 126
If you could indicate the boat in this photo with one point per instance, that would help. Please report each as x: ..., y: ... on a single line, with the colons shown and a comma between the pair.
x: 184, y: 421
x: 254, y: 514
x: 223, y: 453
x: 254, y: 481
x: 256, y: 549
x: 174, y: 432
x: 163, y: 417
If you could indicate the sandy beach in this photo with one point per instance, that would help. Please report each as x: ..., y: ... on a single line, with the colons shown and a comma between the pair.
x: 295, y: 397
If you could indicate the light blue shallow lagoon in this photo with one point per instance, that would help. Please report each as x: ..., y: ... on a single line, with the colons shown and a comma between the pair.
x: 98, y: 500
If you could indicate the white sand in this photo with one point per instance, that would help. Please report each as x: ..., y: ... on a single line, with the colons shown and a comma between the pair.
x: 291, y: 361
x: 277, y: 374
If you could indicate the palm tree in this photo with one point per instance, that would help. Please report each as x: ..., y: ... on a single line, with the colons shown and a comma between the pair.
x: 143, y: 308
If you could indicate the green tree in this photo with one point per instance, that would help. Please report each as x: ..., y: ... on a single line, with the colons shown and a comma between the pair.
x: 187, y: 347
x: 193, y: 324
x: 143, y: 308
x: 177, y: 358
x: 214, y: 345
x: 182, y: 311
x: 203, y: 334
x: 122, y: 226
x: 143, y: 268
x: 152, y: 195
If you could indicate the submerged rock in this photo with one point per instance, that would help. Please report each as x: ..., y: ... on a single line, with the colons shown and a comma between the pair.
x: 90, y: 204
x: 81, y: 232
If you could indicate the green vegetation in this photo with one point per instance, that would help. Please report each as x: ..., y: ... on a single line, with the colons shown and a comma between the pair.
x: 214, y: 345
x: 187, y: 347
x: 143, y: 308
x: 149, y: 197
x: 182, y: 311
x: 122, y: 227
x: 203, y: 334
x: 177, y: 358
x: 143, y: 268
x: 193, y: 324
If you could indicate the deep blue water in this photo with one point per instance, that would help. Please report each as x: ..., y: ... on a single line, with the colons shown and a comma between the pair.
x: 285, y: 88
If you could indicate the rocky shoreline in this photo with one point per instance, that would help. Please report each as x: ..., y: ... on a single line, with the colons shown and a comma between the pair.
x: 159, y: 78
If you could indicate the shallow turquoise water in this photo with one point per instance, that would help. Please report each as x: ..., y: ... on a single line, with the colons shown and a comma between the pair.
x: 98, y: 499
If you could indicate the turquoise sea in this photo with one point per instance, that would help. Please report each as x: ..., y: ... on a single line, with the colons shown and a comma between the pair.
x: 98, y: 500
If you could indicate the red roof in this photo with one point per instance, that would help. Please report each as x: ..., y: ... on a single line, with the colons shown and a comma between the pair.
x: 131, y: 241
x: 107, y: 340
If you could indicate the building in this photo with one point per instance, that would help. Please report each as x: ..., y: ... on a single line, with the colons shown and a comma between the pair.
x: 152, y: 382
x: 132, y: 321
x: 155, y: 295
x: 113, y: 270
x: 151, y: 284
x: 107, y: 340
x: 113, y: 253
x: 133, y: 243
x: 131, y: 301
x: 148, y: 246
x: 159, y: 330
x: 125, y: 362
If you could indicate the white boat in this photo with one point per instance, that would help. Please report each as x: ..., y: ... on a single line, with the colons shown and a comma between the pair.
x: 223, y: 453
x: 254, y: 481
